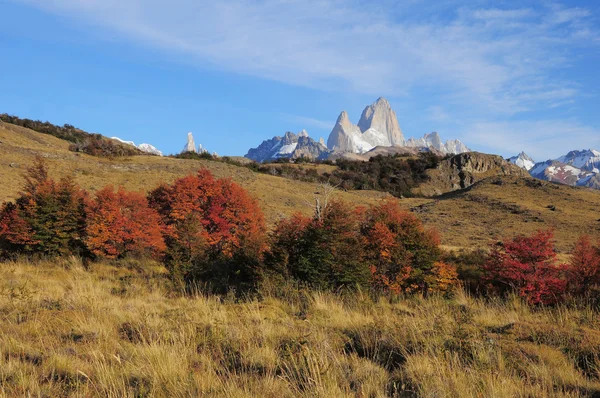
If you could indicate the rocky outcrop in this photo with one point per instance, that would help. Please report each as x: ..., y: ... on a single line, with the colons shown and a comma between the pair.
x: 309, y: 148
x: 463, y: 170
x: 190, y: 145
x: 291, y: 145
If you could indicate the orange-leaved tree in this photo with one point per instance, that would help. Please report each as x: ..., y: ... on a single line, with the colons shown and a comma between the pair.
x: 121, y: 223
x: 47, y: 218
x: 528, y: 266
x: 215, y: 231
x: 402, y: 254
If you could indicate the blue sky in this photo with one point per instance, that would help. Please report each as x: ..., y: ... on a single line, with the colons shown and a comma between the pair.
x: 502, y: 76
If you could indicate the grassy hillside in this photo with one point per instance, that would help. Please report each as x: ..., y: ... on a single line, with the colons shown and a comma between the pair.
x: 19, y: 146
x: 118, y: 332
x: 492, y: 209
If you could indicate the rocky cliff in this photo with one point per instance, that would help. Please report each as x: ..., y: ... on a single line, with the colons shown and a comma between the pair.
x: 465, y: 169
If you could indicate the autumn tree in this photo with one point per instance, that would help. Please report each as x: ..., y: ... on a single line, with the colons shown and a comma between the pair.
x: 47, y: 218
x: 584, y: 270
x: 121, y: 223
x: 528, y: 266
x: 215, y: 231
x: 402, y: 254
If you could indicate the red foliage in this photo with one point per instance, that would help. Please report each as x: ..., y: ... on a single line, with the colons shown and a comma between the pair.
x: 527, y: 264
x: 584, y: 272
x: 122, y: 223
x: 217, y: 212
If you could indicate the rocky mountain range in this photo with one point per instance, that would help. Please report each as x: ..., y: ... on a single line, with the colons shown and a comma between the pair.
x: 577, y: 168
x: 433, y: 140
x: 378, y: 127
x: 291, y: 146
x: 142, y: 147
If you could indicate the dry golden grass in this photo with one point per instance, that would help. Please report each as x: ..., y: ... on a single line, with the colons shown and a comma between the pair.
x: 488, y: 211
x: 116, y: 332
x: 19, y: 146
x: 467, y: 219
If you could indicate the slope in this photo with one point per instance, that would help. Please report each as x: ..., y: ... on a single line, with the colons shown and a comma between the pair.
x: 19, y: 146
x: 495, y: 207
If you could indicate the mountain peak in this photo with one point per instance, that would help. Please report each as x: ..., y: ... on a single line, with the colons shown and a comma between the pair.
x: 343, y: 118
x: 382, y: 102
x: 523, y: 160
x: 380, y: 117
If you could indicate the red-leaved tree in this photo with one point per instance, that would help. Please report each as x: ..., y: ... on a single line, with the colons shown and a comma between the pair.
x: 528, y: 266
x: 213, y: 226
x: 584, y: 272
x: 121, y: 223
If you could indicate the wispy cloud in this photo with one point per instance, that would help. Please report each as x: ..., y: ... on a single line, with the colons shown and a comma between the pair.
x: 546, y: 139
x: 355, y: 46
x: 490, y: 63
x: 308, y: 122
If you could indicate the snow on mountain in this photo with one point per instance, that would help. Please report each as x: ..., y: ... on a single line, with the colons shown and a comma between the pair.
x: 433, y: 140
x: 142, y: 147
x: 523, y: 160
x: 585, y: 159
x: 577, y: 168
x: 289, y: 146
x: 378, y: 127
x: 149, y: 149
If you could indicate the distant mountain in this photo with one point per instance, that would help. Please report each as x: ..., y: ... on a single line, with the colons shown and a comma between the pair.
x: 588, y: 160
x: 291, y: 146
x: 147, y: 148
x: 577, y: 168
x: 378, y: 127
x: 433, y: 140
x: 523, y: 160
x: 190, y: 146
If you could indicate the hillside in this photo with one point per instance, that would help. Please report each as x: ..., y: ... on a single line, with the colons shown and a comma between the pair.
x: 493, y: 208
x: 19, y: 147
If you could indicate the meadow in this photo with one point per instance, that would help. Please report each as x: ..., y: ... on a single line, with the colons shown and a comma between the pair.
x: 121, y: 330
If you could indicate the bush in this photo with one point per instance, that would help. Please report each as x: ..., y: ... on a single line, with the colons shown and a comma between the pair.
x: 584, y: 270
x: 527, y: 265
x: 324, y: 251
x: 214, y: 230
x: 49, y: 217
x: 121, y: 223
x: 403, y: 256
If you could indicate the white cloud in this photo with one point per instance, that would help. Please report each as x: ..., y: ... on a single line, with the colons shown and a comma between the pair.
x: 481, y: 57
x: 545, y: 139
x: 483, y: 62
